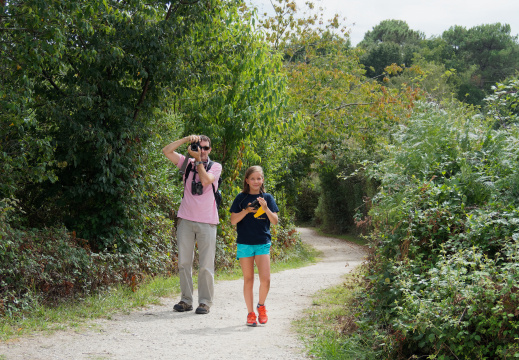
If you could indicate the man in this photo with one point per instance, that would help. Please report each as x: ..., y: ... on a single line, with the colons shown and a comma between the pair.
x: 198, y: 218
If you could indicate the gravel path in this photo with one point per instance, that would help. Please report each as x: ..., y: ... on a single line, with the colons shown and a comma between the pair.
x: 159, y: 333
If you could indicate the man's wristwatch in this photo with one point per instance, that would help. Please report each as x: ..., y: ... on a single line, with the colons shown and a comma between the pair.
x: 198, y: 163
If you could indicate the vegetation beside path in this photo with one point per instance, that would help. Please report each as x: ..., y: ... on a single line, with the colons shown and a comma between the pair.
x: 123, y: 299
x: 413, y: 142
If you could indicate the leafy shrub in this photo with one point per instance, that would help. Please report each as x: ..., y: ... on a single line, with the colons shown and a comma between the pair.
x: 443, y: 271
x: 462, y: 305
x: 50, y: 265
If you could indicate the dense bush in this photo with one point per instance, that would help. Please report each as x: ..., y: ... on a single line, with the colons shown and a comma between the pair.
x: 51, y: 265
x: 443, y: 271
x: 45, y: 266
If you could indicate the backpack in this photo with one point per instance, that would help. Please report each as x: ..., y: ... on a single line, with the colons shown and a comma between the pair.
x: 217, y: 193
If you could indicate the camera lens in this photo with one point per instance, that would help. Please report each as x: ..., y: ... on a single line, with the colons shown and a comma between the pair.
x: 255, y: 204
x: 195, y: 146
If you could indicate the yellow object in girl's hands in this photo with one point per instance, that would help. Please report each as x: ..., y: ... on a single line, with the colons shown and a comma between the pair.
x: 259, y: 212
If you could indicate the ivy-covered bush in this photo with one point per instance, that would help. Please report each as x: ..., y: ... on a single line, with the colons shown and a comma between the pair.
x: 443, y: 272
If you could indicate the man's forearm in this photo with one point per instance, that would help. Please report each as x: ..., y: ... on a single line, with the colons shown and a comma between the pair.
x: 174, y: 145
x: 205, y: 178
x: 169, y: 150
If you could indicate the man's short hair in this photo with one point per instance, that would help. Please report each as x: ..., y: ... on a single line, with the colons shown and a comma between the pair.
x: 205, y: 138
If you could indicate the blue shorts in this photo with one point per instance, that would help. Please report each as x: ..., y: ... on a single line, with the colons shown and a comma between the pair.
x: 244, y: 250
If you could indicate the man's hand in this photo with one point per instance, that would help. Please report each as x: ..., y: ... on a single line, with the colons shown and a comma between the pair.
x: 170, y: 149
x: 192, y: 138
x: 197, y: 155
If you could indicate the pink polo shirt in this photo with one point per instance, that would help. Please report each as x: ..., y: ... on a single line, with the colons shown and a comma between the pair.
x: 199, y: 208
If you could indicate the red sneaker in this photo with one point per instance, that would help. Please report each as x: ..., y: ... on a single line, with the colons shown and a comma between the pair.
x: 262, y: 314
x: 251, y: 319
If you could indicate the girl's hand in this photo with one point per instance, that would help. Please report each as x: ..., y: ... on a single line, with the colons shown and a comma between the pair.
x: 250, y: 209
x: 263, y: 203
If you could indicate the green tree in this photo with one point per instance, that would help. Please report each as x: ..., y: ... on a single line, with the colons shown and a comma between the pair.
x: 85, y: 79
x: 390, y: 42
x: 486, y: 53
x: 340, y: 116
x: 395, y: 31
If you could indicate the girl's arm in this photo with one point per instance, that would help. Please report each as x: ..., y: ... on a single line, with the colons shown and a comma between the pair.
x: 237, y: 217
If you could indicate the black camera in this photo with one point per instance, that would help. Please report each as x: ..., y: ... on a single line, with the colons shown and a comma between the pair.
x: 196, y: 188
x: 195, y: 146
x: 255, y: 204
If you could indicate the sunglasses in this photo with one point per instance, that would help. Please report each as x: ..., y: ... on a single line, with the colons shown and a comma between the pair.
x: 205, y: 148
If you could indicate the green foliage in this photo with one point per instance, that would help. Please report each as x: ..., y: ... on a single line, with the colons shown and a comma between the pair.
x: 503, y: 103
x: 93, y: 91
x: 443, y: 272
x: 434, y: 80
x: 381, y: 56
x: 307, y: 200
x: 395, y: 31
x: 463, y: 306
x: 333, y: 108
x: 493, y: 51
x: 80, y: 145
x: 475, y: 58
x: 89, y: 70
x: 297, y: 31
x: 27, y: 155
x: 390, y: 42
x: 43, y: 266
x: 340, y: 197
x: 242, y: 99
x: 95, y: 74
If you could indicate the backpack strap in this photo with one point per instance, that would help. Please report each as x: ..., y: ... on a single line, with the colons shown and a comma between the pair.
x: 184, y: 164
x: 188, y: 170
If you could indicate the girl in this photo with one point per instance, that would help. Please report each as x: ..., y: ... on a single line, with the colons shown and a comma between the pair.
x: 253, y: 227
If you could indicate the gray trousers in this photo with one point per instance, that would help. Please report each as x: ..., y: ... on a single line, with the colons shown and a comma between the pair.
x: 204, y: 235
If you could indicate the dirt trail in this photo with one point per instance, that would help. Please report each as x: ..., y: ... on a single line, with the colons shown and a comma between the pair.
x: 159, y: 333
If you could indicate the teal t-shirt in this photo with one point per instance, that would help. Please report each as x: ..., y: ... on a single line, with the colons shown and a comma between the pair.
x: 251, y: 230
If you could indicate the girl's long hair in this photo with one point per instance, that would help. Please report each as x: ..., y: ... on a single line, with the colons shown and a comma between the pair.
x: 249, y: 172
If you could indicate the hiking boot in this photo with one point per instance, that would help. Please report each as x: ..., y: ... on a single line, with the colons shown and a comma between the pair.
x: 262, y: 314
x: 251, y: 319
x: 202, y: 309
x: 182, y: 306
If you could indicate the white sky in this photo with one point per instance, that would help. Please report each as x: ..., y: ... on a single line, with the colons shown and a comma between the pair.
x: 432, y: 17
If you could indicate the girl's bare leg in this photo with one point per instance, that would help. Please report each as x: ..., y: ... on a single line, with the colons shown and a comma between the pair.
x: 247, y: 268
x: 263, y: 264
